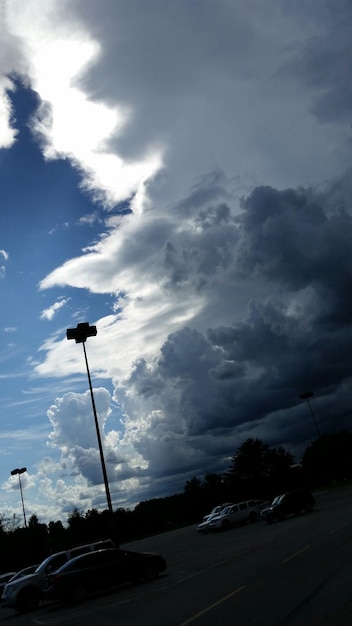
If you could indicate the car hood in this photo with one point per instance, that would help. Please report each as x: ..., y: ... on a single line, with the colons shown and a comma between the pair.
x: 24, y: 579
x: 267, y: 510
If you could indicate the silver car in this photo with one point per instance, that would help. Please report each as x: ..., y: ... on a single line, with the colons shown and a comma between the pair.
x: 203, y: 527
x: 240, y: 513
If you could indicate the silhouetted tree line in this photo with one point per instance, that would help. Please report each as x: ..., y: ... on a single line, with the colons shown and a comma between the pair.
x: 255, y: 471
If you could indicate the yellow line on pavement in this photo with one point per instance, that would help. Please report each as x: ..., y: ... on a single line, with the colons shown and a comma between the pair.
x: 188, y: 621
x: 293, y: 556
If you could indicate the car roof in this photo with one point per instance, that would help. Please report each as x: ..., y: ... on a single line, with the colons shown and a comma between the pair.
x: 87, y: 556
x: 6, y: 576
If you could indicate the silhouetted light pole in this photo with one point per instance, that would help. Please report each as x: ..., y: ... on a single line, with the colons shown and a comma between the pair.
x: 19, y: 472
x: 80, y: 335
x: 305, y: 396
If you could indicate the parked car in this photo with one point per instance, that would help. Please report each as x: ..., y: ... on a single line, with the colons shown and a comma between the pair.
x: 24, y: 572
x: 242, y: 512
x: 217, y: 510
x: 99, y: 571
x: 24, y: 594
x: 291, y: 503
x: 4, y: 579
x: 203, y: 527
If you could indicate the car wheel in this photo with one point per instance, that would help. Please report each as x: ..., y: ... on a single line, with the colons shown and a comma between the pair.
x: 252, y: 517
x: 78, y: 593
x: 151, y: 572
x: 28, y: 600
x: 308, y: 508
x: 225, y: 525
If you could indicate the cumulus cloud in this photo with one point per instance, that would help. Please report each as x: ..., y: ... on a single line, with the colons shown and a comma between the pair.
x: 27, y: 480
x: 231, y: 375
x: 230, y: 371
x: 323, y: 61
x: 71, y: 418
x: 5, y: 256
x: 230, y: 271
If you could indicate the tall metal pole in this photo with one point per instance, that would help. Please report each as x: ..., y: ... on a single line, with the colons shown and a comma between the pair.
x: 19, y: 472
x: 80, y: 335
x: 105, y: 476
x: 305, y: 396
x: 23, y: 509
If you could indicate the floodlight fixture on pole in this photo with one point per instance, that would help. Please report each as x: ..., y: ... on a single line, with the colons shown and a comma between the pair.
x: 19, y: 472
x: 80, y: 335
x: 306, y: 396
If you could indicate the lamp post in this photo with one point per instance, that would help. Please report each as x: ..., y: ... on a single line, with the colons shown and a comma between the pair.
x: 19, y: 472
x: 305, y: 396
x: 80, y: 335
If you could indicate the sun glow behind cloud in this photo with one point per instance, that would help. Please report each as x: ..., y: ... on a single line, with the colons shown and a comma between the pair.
x: 67, y: 122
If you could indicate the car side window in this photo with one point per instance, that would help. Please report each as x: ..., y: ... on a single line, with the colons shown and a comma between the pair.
x: 88, y: 560
x: 108, y: 556
x: 78, y: 551
x: 243, y: 506
x: 234, y: 509
x: 55, y: 563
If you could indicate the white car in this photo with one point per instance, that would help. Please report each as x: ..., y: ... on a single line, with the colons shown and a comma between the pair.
x: 203, y: 527
x: 240, y: 513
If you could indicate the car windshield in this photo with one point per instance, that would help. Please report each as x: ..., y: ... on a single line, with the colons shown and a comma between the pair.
x: 225, y: 510
x: 277, y: 500
x: 24, y: 572
x: 51, y: 564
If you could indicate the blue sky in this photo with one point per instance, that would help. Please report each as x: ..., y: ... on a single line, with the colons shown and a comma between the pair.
x: 179, y: 175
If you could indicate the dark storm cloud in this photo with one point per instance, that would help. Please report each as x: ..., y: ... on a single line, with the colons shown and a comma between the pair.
x: 209, y: 188
x: 324, y: 62
x: 288, y: 239
x: 229, y: 310
x: 197, y: 257
x: 245, y: 378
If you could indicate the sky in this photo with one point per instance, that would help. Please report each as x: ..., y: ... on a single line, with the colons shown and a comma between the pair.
x: 178, y: 174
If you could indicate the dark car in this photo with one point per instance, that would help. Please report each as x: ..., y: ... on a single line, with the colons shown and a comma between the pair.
x: 24, y: 572
x: 24, y: 593
x: 99, y: 571
x: 4, y: 579
x: 291, y: 503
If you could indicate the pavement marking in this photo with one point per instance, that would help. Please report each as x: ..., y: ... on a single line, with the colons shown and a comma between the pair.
x: 338, y: 528
x: 76, y: 611
x: 293, y: 556
x: 233, y: 593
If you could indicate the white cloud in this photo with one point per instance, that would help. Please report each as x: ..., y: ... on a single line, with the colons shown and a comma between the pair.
x: 4, y: 254
x: 27, y: 481
x: 7, y: 132
x: 218, y: 301
x: 51, y: 311
x: 58, y: 52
